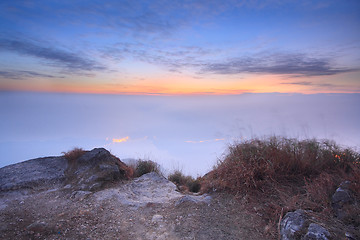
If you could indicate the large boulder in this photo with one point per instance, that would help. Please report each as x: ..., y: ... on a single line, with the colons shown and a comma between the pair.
x: 296, y: 226
x: 94, y: 169
x: 293, y: 225
x: 89, y: 172
x: 34, y: 173
x: 316, y: 232
x: 149, y: 189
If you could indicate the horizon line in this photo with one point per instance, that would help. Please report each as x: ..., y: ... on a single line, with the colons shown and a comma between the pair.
x: 168, y: 94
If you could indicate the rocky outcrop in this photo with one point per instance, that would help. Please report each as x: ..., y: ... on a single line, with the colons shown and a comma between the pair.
x: 149, y: 207
x: 296, y: 226
x: 316, y: 232
x: 299, y: 226
x: 341, y: 199
x: 87, y: 173
x: 346, y: 209
x: 150, y: 188
x: 35, y: 173
x: 94, y: 169
x: 293, y: 225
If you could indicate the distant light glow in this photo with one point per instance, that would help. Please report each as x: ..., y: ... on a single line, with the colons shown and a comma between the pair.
x: 120, y: 140
x: 203, y: 141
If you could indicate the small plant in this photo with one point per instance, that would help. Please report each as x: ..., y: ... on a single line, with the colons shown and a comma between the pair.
x: 74, y: 154
x: 185, y: 182
x: 177, y: 177
x: 194, y: 186
x: 145, y: 166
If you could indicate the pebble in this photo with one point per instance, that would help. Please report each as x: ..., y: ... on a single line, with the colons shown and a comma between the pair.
x: 157, y: 218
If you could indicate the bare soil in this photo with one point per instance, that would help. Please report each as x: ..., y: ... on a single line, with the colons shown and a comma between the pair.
x: 145, y: 208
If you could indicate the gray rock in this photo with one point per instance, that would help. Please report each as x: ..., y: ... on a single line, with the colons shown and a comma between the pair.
x: 80, y: 195
x: 150, y: 188
x: 157, y: 218
x: 352, y: 236
x: 93, y: 170
x: 316, y: 232
x: 194, y: 199
x: 37, y: 227
x: 293, y: 225
x: 94, y: 187
x: 153, y: 177
x: 207, y: 198
x: 35, y: 173
x: 186, y: 199
x: 296, y: 226
x: 341, y: 198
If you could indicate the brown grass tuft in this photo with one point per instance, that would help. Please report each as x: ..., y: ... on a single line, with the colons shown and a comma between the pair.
x: 74, y: 154
x: 284, y: 174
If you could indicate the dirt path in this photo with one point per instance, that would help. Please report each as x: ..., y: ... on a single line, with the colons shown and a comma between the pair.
x: 145, y: 208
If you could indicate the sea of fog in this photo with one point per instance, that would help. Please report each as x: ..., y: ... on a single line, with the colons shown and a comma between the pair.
x: 189, y: 133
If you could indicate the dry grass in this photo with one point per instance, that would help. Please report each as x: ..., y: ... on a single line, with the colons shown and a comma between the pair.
x: 281, y: 174
x: 185, y: 183
x: 141, y: 167
x: 74, y: 154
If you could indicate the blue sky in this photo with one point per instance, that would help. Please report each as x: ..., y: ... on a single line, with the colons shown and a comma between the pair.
x: 180, y: 47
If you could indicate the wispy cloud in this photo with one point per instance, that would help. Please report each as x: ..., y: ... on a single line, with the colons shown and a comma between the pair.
x: 307, y: 83
x: 324, y: 85
x: 53, y: 56
x: 130, y: 17
x: 204, y: 141
x: 199, y: 59
x: 18, y: 75
x: 303, y: 83
x: 276, y: 63
x: 319, y: 85
x: 120, y: 140
x: 174, y: 59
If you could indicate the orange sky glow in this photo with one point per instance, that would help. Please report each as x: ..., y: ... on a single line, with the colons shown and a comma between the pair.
x: 183, y: 86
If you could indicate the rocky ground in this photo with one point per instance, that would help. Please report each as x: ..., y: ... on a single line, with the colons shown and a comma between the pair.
x: 149, y: 207
x: 144, y: 208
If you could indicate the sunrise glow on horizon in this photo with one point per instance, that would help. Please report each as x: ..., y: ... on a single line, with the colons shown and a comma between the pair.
x: 180, y: 47
x: 269, y: 85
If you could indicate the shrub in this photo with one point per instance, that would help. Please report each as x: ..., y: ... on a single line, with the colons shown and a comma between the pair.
x: 255, y: 163
x: 177, y: 177
x: 284, y: 174
x: 74, y: 154
x: 194, y: 186
x: 145, y: 166
x: 187, y: 182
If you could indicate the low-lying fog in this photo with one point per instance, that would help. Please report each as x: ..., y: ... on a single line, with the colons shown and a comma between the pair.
x: 179, y: 132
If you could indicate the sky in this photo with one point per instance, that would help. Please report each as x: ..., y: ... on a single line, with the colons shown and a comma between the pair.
x: 175, y: 81
x: 180, y: 47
